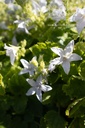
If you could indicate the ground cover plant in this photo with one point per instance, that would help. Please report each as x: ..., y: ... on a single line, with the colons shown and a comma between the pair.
x: 42, y: 64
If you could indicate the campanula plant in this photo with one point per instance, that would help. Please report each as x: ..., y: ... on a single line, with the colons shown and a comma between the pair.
x: 42, y: 64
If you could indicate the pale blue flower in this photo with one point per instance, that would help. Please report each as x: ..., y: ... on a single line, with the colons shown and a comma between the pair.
x: 23, y: 25
x: 59, y: 3
x: 39, y: 6
x: 66, y: 56
x: 57, y: 10
x: 29, y: 67
x: 79, y: 18
x: 37, y: 87
x: 11, y: 52
x: 58, y: 14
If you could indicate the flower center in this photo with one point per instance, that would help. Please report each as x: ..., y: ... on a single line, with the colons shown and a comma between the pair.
x: 65, y: 58
x: 38, y: 85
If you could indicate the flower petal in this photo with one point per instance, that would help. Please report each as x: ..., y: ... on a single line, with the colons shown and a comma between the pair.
x: 17, y: 21
x: 75, y: 57
x: 66, y: 66
x: 69, y: 48
x: 31, y: 72
x: 45, y: 88
x: 77, y: 16
x: 31, y: 91
x: 39, y: 79
x: 34, y: 59
x: 54, y: 62
x: 24, y: 63
x: 58, y: 51
x: 21, y: 25
x: 6, y: 47
x: 39, y: 95
x: 12, y: 58
x: 31, y: 82
x: 23, y: 71
x: 11, y: 52
x: 80, y: 25
x: 26, y: 30
x: 51, y: 67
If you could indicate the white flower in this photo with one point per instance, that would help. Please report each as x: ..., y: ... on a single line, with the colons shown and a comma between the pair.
x: 59, y: 3
x: 29, y: 67
x: 39, y: 6
x: 11, y: 52
x: 58, y: 14
x: 23, y: 25
x: 13, y: 7
x: 66, y: 56
x: 58, y: 10
x: 79, y: 18
x: 37, y: 87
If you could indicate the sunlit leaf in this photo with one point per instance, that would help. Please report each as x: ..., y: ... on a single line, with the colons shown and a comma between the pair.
x: 77, y: 108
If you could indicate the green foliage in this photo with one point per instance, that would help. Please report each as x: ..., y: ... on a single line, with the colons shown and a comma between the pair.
x: 78, y: 122
x: 53, y: 120
x: 76, y: 109
x: 75, y: 88
x: 2, y: 88
x: 43, y: 49
x: 64, y: 105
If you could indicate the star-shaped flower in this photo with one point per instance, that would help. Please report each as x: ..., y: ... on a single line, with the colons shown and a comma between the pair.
x: 58, y: 10
x: 66, y: 56
x: 22, y: 25
x: 79, y: 18
x: 59, y: 3
x: 11, y: 52
x: 37, y: 87
x: 58, y: 14
x: 39, y: 6
x: 29, y: 67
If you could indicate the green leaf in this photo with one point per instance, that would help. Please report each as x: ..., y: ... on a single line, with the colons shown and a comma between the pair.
x: 78, y: 123
x: 43, y: 49
x: 19, y: 104
x: 34, y: 125
x: 77, y: 108
x: 53, y: 33
x: 61, y: 97
x: 82, y: 69
x: 35, y: 107
x: 53, y: 76
x: 2, y: 52
x: 1, y: 126
x: 46, y: 98
x: 1, y: 45
x: 21, y: 2
x: 2, y: 88
x: 75, y: 88
x: 80, y: 48
x: 18, y: 85
x: 54, y: 120
x: 42, y: 123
